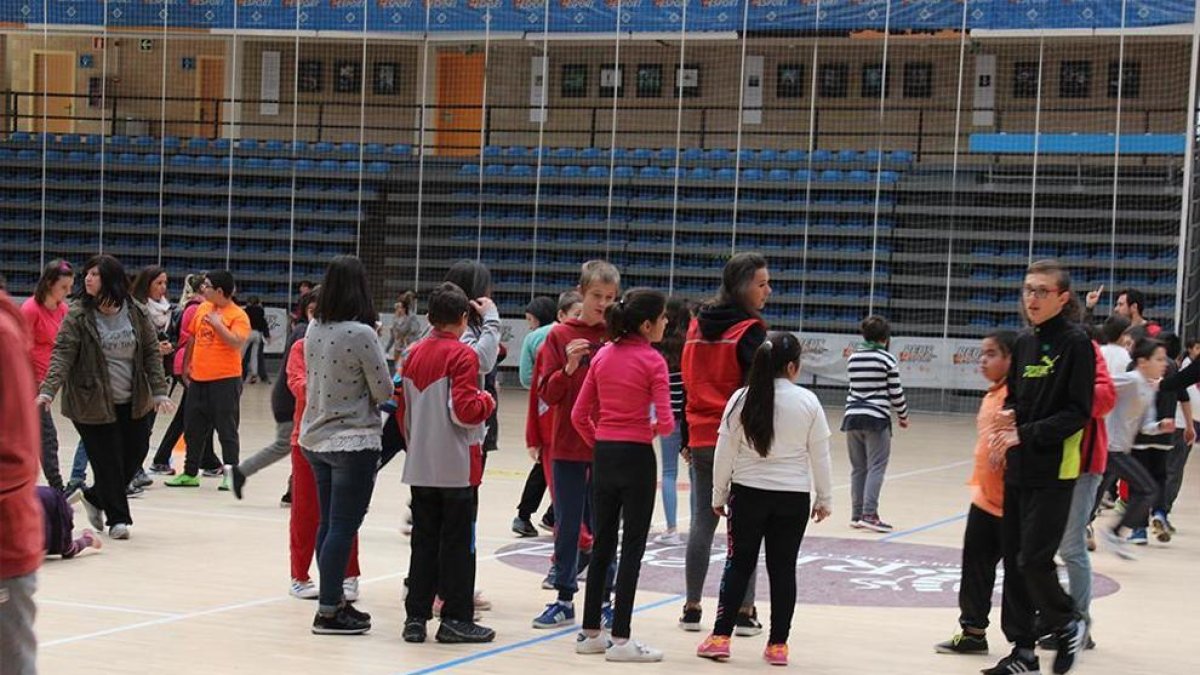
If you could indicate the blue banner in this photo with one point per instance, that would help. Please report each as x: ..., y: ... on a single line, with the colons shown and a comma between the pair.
x: 600, y: 16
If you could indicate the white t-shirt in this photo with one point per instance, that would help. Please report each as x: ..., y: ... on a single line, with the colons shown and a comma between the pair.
x: 1116, y: 357
x: 799, y: 456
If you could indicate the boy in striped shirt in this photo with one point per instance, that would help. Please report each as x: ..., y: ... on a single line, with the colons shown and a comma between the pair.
x: 875, y: 391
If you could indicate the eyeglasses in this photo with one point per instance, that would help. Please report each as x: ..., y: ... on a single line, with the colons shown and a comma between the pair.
x: 1039, y: 293
x: 205, y: 284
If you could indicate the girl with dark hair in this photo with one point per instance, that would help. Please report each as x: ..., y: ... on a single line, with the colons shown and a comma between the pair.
x: 624, y: 403
x: 483, y: 332
x: 679, y: 315
x: 347, y: 377
x: 405, y: 328
x: 44, y: 313
x: 150, y: 289
x: 772, y: 454
x: 720, y: 345
x: 106, y: 360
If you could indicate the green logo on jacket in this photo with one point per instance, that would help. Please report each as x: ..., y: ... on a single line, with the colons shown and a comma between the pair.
x: 1046, y: 367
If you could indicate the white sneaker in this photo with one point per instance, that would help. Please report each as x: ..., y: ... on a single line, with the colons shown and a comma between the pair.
x: 592, y: 645
x: 632, y: 651
x: 349, y: 588
x: 669, y: 538
x: 119, y: 531
x: 305, y: 590
x: 94, y: 515
x: 1116, y: 544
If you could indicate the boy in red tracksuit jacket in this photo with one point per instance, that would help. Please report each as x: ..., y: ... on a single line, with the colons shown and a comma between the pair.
x: 559, y: 371
x: 443, y: 468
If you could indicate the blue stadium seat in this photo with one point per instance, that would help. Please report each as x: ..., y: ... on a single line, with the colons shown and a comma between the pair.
x: 492, y: 151
x: 751, y: 175
x: 352, y: 166
x: 563, y: 153
x: 700, y: 173
x: 725, y: 174
x: 889, y: 177
x: 256, y: 163
x: 323, y: 146
x: 19, y: 137
x: 298, y: 146
x: 493, y: 170
x: 597, y: 172
x: 118, y: 140
x: 469, y: 169
x: 747, y: 155
x: 641, y: 153
x: 619, y: 153
x: 221, y: 144
x: 516, y: 151
x: 81, y: 157
x: 548, y: 171
x: 872, y: 156
x: 303, y: 165
x: 859, y: 177
x: 193, y: 143
x: 693, y: 154
x: 178, y: 160
x: 206, y: 160
x: 329, y: 165
x: 572, y: 171
x: 274, y: 146
x: 55, y: 156
x: 666, y: 155
x: 142, y: 141
x: 623, y: 171
x: 795, y: 156
x: 849, y: 156
x: 831, y: 176
x: 650, y: 172
x: 520, y: 170
x: 768, y: 155
x: 374, y: 149
x: 821, y: 155
x: 280, y: 164
x: 248, y: 144
x: 779, y: 175
x: 591, y: 153
x: 802, y: 176
x: 402, y: 149
x: 900, y: 156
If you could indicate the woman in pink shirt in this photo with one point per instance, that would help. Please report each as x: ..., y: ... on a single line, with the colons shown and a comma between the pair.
x: 624, y: 403
x: 44, y: 314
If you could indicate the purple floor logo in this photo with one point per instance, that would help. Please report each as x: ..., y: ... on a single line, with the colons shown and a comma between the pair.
x: 830, y: 571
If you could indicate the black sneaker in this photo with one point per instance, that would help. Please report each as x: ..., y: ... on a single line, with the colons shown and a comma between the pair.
x: 1070, y: 643
x: 212, y: 473
x: 353, y: 611
x: 285, y: 502
x: 132, y: 491
x: 1050, y: 642
x: 690, y: 621
x: 963, y: 643
x: 414, y: 630
x: 523, y: 528
x: 237, y: 479
x: 341, y: 623
x: 747, y: 625
x: 547, y: 521
x: 1014, y: 664
x: 141, y: 480
x: 454, y: 632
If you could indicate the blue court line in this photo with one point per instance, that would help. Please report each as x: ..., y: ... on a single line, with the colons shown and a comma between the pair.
x: 922, y: 528
x: 527, y: 643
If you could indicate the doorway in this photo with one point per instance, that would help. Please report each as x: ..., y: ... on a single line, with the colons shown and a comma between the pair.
x: 210, y: 90
x: 53, y: 75
x: 459, y: 103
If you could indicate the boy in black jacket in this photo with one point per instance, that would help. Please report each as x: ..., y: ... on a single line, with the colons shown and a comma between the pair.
x: 1050, y: 389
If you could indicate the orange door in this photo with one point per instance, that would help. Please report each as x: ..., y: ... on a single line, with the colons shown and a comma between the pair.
x: 210, y: 89
x: 459, y: 113
x: 54, y: 85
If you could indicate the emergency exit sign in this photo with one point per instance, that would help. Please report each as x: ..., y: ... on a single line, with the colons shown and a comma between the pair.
x: 145, y: 45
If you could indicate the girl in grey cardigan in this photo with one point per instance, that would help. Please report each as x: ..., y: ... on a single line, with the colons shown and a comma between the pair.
x: 341, y: 431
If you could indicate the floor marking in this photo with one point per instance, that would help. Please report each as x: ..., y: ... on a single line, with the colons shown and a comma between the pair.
x: 106, y: 608
x: 512, y: 646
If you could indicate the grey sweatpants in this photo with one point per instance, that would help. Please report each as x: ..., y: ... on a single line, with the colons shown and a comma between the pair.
x: 280, y: 448
x: 869, y: 454
x: 18, y: 643
x: 704, y: 525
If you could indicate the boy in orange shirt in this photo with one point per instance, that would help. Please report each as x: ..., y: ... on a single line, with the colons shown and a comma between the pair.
x: 982, y: 542
x: 213, y: 367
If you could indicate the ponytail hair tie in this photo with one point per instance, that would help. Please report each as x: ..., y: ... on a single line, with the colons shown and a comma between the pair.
x: 768, y: 345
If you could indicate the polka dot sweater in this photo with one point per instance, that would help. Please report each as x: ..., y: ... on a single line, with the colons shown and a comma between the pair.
x: 347, y: 380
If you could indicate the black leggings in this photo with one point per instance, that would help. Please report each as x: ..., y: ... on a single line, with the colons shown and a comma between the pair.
x: 755, y: 516
x: 624, y: 485
x: 1143, y: 490
x: 983, y: 549
x: 115, y: 451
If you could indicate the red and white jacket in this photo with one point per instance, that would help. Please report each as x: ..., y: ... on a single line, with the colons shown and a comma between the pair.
x: 442, y: 413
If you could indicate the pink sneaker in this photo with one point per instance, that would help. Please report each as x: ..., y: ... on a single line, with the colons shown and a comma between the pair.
x: 714, y: 647
x: 92, y: 540
x: 776, y: 655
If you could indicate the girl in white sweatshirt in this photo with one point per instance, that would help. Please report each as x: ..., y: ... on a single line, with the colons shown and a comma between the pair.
x: 772, y: 454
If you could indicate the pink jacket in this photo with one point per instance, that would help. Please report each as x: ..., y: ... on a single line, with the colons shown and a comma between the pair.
x: 627, y: 382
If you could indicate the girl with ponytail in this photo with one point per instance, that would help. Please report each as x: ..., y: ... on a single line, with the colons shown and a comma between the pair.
x: 772, y: 454
x: 625, y: 402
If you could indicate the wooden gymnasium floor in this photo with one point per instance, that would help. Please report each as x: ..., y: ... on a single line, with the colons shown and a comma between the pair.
x: 202, y: 585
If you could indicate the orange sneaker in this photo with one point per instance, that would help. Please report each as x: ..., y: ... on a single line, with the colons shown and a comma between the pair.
x: 714, y: 647
x: 776, y: 655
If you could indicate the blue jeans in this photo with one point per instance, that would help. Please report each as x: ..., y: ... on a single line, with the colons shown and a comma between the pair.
x: 671, y: 445
x: 1073, y: 548
x: 345, y: 481
x: 79, y: 464
x: 572, y: 492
